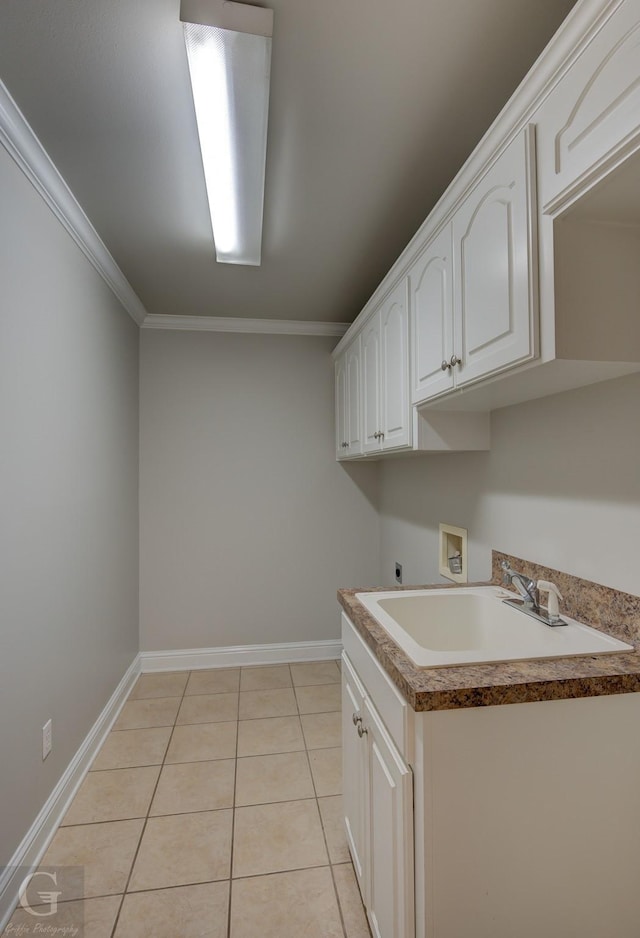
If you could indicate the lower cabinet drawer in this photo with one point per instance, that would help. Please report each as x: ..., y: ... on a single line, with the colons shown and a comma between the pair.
x: 395, y: 712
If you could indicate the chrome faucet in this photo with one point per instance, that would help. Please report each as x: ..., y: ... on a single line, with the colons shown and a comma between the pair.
x: 529, y: 601
x: 525, y: 586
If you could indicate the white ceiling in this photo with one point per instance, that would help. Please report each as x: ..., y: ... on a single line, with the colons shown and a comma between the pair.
x: 374, y: 107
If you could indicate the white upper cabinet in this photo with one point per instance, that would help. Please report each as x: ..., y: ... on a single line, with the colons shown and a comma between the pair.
x: 348, y: 397
x: 431, y: 306
x: 385, y: 375
x: 473, y: 291
x: 341, y: 406
x: 592, y: 119
x: 495, y: 297
x: 371, y: 385
x: 354, y: 395
x: 509, y: 282
x: 394, y: 352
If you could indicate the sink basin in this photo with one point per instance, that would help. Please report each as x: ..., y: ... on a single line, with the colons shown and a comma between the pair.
x: 448, y: 627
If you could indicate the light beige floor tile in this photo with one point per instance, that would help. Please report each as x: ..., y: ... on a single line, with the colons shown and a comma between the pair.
x: 353, y: 914
x: 201, y: 742
x: 322, y: 730
x: 160, y: 685
x: 219, y: 681
x: 281, y: 777
x: 275, y: 734
x: 194, y: 786
x: 138, y: 714
x: 326, y: 767
x: 315, y: 672
x: 271, y: 838
x: 93, y: 918
x: 185, y: 911
x: 103, y: 852
x: 267, y: 678
x: 319, y: 698
x: 285, y: 905
x: 126, y: 749
x: 208, y: 708
x: 257, y: 704
x: 333, y: 823
x: 183, y: 849
x: 113, y: 795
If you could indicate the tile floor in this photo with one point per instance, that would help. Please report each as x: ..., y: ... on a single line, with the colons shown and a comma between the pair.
x: 214, y: 809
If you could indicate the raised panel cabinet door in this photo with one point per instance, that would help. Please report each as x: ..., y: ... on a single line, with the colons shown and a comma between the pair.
x: 592, y: 117
x: 431, y: 316
x: 354, y: 408
x: 394, y: 348
x: 390, y: 900
x: 495, y: 297
x: 354, y: 785
x: 370, y: 350
x: 341, y: 407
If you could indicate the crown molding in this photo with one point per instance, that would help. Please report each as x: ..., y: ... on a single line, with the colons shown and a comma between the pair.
x: 256, y: 326
x: 21, y: 143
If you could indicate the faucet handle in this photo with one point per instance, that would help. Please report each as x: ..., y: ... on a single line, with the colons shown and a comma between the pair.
x: 554, y: 595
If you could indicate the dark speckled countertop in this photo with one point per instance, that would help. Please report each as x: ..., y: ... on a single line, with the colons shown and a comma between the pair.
x: 483, y: 685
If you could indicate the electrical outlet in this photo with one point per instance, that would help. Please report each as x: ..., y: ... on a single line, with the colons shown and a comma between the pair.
x: 398, y: 572
x: 47, y: 739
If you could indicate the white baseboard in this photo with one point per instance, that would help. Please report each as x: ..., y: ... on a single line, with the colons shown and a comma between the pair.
x: 38, y: 837
x: 191, y: 659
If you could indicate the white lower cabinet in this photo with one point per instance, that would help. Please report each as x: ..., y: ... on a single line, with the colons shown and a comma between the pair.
x: 378, y: 810
x: 526, y: 819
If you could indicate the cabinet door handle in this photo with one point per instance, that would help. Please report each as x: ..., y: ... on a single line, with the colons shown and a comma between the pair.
x: 362, y: 730
x: 445, y: 365
x: 356, y: 719
x: 455, y: 360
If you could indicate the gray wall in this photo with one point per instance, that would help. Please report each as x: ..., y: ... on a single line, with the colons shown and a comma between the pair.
x: 560, y: 486
x: 68, y: 499
x: 248, y: 525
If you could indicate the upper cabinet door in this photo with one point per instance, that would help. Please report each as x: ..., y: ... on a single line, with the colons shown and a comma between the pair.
x: 592, y: 117
x: 394, y: 348
x: 370, y: 351
x: 341, y: 406
x: 495, y: 303
x: 431, y: 314
x: 353, y: 410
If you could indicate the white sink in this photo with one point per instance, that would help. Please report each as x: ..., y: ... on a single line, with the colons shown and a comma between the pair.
x: 442, y: 628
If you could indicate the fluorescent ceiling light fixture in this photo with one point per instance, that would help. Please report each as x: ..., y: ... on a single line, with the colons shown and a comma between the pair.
x: 229, y: 54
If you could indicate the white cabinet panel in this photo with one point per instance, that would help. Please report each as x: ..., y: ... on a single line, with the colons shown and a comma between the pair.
x: 394, y: 351
x: 353, y: 410
x: 594, y: 113
x: 353, y: 770
x: 386, y: 410
x: 371, y: 385
x: 431, y: 308
x: 341, y: 406
x: 495, y: 312
x: 378, y: 810
x: 348, y: 397
x: 390, y: 821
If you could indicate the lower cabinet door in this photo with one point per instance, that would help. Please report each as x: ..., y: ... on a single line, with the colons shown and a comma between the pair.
x: 354, y: 785
x: 390, y: 892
